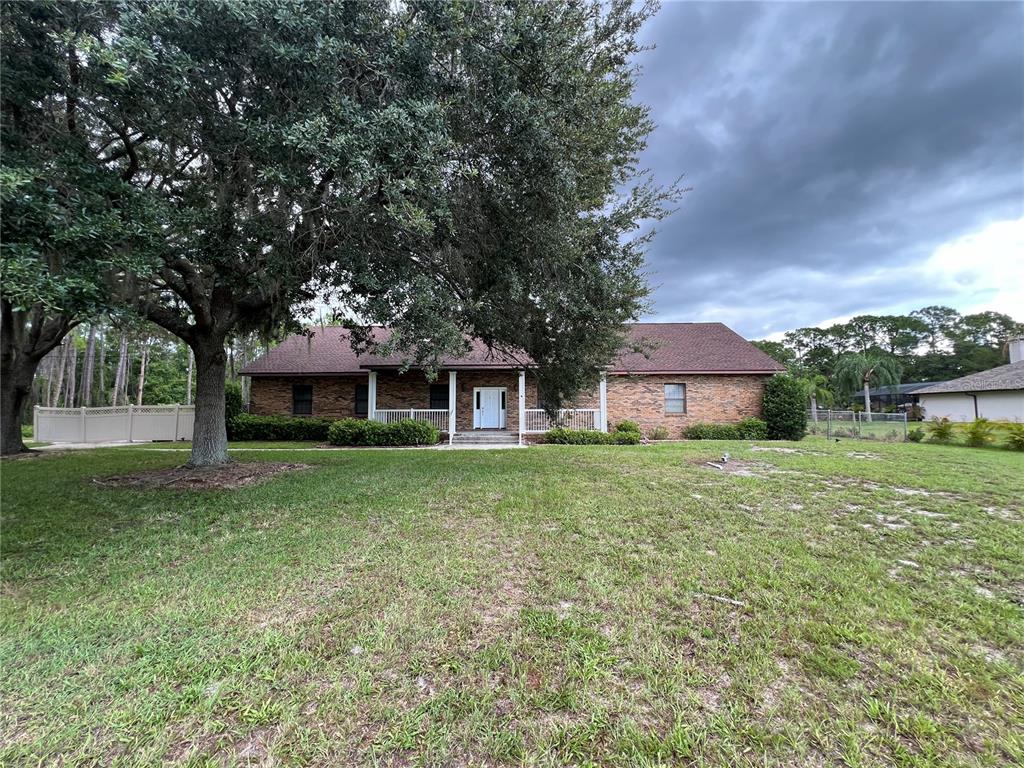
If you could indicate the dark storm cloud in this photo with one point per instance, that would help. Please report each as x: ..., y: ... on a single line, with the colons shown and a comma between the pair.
x: 826, y: 144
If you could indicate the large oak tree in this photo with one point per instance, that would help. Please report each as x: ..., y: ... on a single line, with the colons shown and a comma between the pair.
x: 445, y: 169
x: 69, y: 218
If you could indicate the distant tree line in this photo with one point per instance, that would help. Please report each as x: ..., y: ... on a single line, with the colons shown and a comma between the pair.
x: 934, y: 343
x: 117, y: 363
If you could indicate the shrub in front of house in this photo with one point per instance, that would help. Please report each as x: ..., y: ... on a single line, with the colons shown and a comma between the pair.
x: 916, y: 435
x: 752, y: 428
x: 785, y: 403
x: 627, y: 426
x: 245, y: 426
x: 702, y: 431
x: 658, y: 433
x: 563, y: 436
x: 375, y: 433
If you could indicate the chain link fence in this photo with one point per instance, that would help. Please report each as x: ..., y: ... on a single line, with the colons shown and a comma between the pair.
x: 890, y: 427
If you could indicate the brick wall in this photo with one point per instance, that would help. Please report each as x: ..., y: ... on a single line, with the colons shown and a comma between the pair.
x: 709, y: 398
x: 333, y: 396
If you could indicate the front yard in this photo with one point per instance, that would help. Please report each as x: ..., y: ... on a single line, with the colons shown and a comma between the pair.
x: 843, y: 604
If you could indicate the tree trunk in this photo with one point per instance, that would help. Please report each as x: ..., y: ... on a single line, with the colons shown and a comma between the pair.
x: 209, y: 435
x: 70, y: 390
x: 25, y: 339
x: 142, y: 371
x: 814, y: 407
x: 61, y: 367
x: 15, y: 387
x: 867, y: 401
x: 88, y: 368
x: 119, y: 376
x: 188, y: 382
x: 103, y: 366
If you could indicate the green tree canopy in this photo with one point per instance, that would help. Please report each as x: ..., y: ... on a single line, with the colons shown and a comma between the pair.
x: 445, y: 169
x: 60, y: 234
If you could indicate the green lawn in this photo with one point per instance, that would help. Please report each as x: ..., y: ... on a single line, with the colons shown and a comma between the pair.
x: 852, y: 604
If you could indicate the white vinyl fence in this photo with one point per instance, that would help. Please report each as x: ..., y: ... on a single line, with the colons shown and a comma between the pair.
x: 110, y: 425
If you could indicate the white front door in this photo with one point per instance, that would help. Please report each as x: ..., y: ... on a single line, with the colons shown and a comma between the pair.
x: 488, y: 410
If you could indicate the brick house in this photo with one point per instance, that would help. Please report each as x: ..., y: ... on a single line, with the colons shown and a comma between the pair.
x: 689, y: 372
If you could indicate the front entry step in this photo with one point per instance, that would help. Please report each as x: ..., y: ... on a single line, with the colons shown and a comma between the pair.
x: 488, y: 437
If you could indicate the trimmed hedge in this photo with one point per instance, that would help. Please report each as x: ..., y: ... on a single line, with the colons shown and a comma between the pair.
x: 563, y: 436
x: 375, y: 433
x: 748, y: 429
x: 785, y: 403
x: 245, y: 426
x: 701, y: 431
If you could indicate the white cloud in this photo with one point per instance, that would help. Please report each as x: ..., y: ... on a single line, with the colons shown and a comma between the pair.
x: 983, y: 270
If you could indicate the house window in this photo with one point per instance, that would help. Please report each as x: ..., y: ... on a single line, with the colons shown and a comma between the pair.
x: 362, y: 401
x: 439, y: 397
x: 675, y: 398
x: 302, y: 400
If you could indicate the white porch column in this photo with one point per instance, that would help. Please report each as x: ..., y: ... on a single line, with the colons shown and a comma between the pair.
x: 604, y: 402
x: 522, y: 404
x: 453, y: 396
x: 371, y: 396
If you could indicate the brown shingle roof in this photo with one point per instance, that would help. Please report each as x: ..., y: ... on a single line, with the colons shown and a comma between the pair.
x: 673, y: 348
x: 1004, y: 377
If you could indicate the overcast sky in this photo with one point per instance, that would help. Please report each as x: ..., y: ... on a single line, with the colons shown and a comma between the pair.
x: 844, y: 159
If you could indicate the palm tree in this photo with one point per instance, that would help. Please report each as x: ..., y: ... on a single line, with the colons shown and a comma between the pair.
x: 816, y: 387
x: 862, y: 369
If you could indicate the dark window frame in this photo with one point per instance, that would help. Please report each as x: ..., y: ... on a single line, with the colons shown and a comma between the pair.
x: 438, y: 397
x: 306, y: 402
x: 683, y: 399
x: 362, y: 396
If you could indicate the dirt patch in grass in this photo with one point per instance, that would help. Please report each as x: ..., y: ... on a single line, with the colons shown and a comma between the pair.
x: 736, y: 467
x: 237, y: 474
x: 31, y: 454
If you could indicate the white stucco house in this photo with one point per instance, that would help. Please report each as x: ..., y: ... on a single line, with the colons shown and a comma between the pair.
x: 996, y: 394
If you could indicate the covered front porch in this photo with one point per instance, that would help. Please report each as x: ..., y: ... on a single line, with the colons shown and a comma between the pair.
x: 476, y: 401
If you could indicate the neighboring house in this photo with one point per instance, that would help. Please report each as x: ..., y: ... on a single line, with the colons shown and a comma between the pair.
x: 899, y: 394
x: 692, y: 372
x: 996, y: 394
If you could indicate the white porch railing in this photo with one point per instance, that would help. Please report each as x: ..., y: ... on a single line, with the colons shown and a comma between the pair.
x: 436, y: 416
x: 537, y: 419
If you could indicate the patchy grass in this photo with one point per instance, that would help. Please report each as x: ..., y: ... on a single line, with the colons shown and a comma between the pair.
x: 828, y: 604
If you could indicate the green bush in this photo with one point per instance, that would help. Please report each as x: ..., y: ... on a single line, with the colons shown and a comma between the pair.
x: 375, y: 433
x: 940, y: 430
x: 916, y: 435
x: 981, y: 432
x: 701, y: 431
x: 784, y: 408
x: 658, y: 433
x: 245, y: 426
x: 627, y: 426
x: 233, y: 407
x: 625, y: 437
x: 752, y: 428
x: 563, y: 436
x: 1015, y: 437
